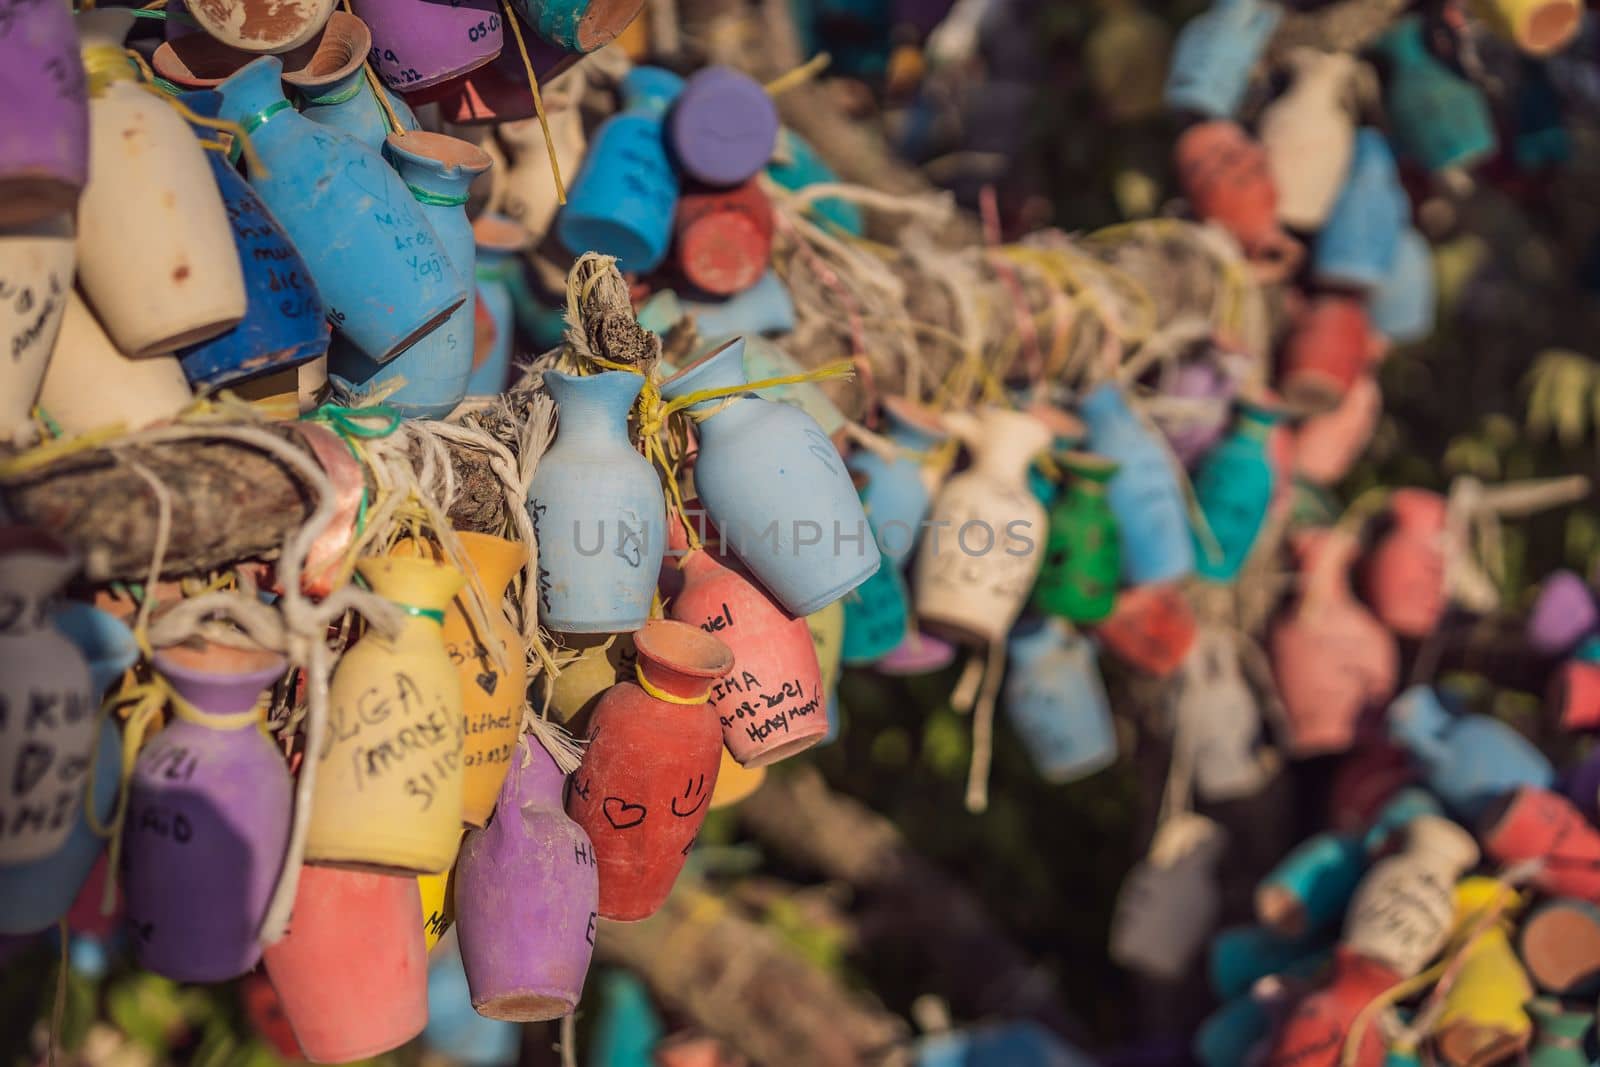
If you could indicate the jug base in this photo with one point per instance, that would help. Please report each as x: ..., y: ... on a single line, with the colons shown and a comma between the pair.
x: 778, y: 753
x: 26, y: 199
x: 525, y: 1007
x: 817, y: 603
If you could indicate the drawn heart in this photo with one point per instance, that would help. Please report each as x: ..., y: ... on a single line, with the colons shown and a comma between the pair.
x: 368, y: 180
x: 621, y: 814
x: 487, y: 682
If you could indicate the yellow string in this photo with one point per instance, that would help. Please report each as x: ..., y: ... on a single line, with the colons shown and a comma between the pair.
x: 660, y: 694
x: 48, y: 452
x: 224, y: 721
x: 538, y: 101
x: 799, y: 75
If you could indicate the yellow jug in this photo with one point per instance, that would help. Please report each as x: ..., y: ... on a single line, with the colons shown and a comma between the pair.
x: 1483, y: 1020
x: 827, y: 634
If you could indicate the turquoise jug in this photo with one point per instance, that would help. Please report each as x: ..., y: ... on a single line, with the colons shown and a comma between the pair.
x: 598, y: 510
x: 1402, y: 308
x: 777, y: 489
x: 627, y: 1028
x: 877, y: 614
x: 1144, y: 494
x: 1242, y: 954
x: 1467, y: 760
x: 1213, y: 56
x: 378, y: 265
x: 437, y: 171
x: 1438, y: 118
x: 33, y: 896
x: 623, y: 199
x: 1358, y: 243
x: 1056, y: 701
x: 1233, y: 490
x: 1229, y: 1034
x: 498, y: 270
x: 796, y: 165
x: 897, y: 496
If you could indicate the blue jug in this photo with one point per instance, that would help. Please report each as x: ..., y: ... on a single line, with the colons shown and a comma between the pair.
x: 1151, y: 518
x: 498, y: 270
x: 1056, y: 701
x: 623, y: 199
x: 1359, y: 240
x: 1213, y: 56
x: 877, y: 615
x: 1467, y: 760
x: 1402, y: 308
x: 1228, y: 1034
x: 765, y: 307
x: 897, y: 497
x: 1242, y: 954
x: 334, y: 90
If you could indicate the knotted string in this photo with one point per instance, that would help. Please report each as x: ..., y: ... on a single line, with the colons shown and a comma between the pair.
x: 662, y: 694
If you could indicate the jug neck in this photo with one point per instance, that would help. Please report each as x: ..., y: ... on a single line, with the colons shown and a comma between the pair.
x: 216, y: 680
x: 253, y: 98
x: 536, y: 780
x: 496, y: 560
x: 437, y: 169
x: 678, y: 663
x: 593, y: 410
x: 1009, y: 442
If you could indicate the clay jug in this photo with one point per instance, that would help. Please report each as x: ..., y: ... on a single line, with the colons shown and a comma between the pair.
x: 1233, y: 489
x: 765, y: 307
x: 1241, y: 955
x: 492, y: 666
x: 1537, y: 27
x: 627, y: 1026
x: 1169, y: 902
x: 1082, y: 552
x: 986, y: 532
x: 44, y: 136
x: 351, y: 971
x: 196, y: 60
x: 1401, y: 914
x: 498, y: 271
x: 1483, y: 1021
x: 388, y: 788
x: 650, y: 767
x: 591, y: 664
x: 1057, y: 703
x: 1214, y: 713
x: 49, y: 729
x: 1403, y: 578
x: 1331, y: 658
x: 622, y: 201
x: 331, y: 82
x: 1067, y: 434
x: 767, y: 359
x: 1214, y: 53
x: 437, y: 171
x: 723, y: 237
x: 773, y: 483
x: 1326, y: 446
x: 260, y: 25
x: 36, y: 260
x: 438, y: 893
x: 1439, y: 119
x: 723, y: 127
x: 530, y: 191
x: 1535, y: 822
x: 1467, y: 760
x: 795, y: 165
x: 1225, y: 176
x: 772, y: 705
x: 1330, y: 348
x: 579, y: 25
x: 283, y: 325
x: 1308, y: 136
x: 382, y: 274
x: 1152, y: 628
x: 900, y: 485
x: 1358, y: 245
x: 168, y: 274
x: 1207, y: 382
x: 598, y: 510
x: 1563, y: 614
x: 1317, y: 1030
x: 1574, y: 693
x: 527, y: 896
x: 877, y: 615
x: 34, y: 896
x: 208, y: 817
x: 1402, y: 306
x: 1151, y: 518
x: 89, y: 383
x: 416, y: 44
x: 1559, y: 1041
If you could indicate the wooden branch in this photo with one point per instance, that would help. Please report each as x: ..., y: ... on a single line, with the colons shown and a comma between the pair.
x: 735, y: 979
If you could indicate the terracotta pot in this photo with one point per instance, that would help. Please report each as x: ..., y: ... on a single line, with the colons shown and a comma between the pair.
x: 1403, y: 578
x: 1560, y: 945
x: 1575, y: 694
x: 1536, y: 823
x: 1332, y: 344
x: 1326, y: 446
x: 197, y: 61
x: 1316, y: 1032
x: 1225, y: 175
x: 261, y: 25
x: 724, y: 237
x: 650, y: 767
x: 351, y: 971
x: 1152, y: 628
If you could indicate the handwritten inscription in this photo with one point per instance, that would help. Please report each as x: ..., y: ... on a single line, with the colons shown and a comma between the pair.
x: 762, y: 710
x: 52, y: 731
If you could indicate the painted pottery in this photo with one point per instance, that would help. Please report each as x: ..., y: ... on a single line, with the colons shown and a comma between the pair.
x: 1169, y: 901
x: 1233, y: 489
x: 579, y: 25
x: 1308, y: 136
x: 1535, y: 822
x: 1224, y: 174
x: 1560, y: 1032
x: 1327, y: 445
x: 1317, y: 1030
x: 1057, y: 703
x: 1215, y: 715
x: 877, y: 616
x: 899, y: 485
x: 1083, y: 550
x: 36, y: 262
x: 44, y: 135
x: 1560, y: 945
x: 1438, y: 119
x: 1357, y: 246
x: 332, y: 85
x: 416, y: 44
x: 1403, y: 578
x: 1537, y: 27
x: 1564, y: 613
x: 795, y: 165
x: 761, y: 309
x: 259, y: 25
x: 723, y: 238
x: 1467, y: 760
x: 723, y: 127
x: 1402, y: 306
x: 1213, y: 55
x: 530, y: 187
x: 1151, y: 628
x: 498, y: 272
x: 1143, y: 494
x: 1331, y: 346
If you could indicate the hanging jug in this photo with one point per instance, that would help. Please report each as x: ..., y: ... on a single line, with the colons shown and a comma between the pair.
x: 1143, y: 493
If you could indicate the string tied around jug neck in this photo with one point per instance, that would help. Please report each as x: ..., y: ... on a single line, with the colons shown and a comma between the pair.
x: 661, y: 694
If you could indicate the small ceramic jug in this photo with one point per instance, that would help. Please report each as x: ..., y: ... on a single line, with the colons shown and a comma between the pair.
x: 1403, y: 578
x: 899, y: 486
x: 1207, y: 382
x: 1439, y: 119
x: 1151, y: 518
x: 1467, y: 760
x: 590, y: 664
x: 1152, y: 628
x: 166, y: 275
x: 763, y: 308
x: 1057, y: 703
x: 44, y: 134
x: 1561, y: 1032
x: 773, y: 704
x: 1326, y: 446
x: 37, y: 261
x: 723, y: 237
x: 1318, y: 1028
x: 776, y: 487
x: 1308, y: 136
x: 530, y: 187
x: 527, y: 892
x: 1083, y: 551
x: 1402, y: 306
x: 877, y: 615
x: 196, y: 60
x: 259, y: 25
x: 1358, y: 245
x: 598, y: 510
x: 1574, y: 695
x: 1225, y: 176
x: 723, y: 127
x: 1564, y: 613
x: 388, y: 789
x: 382, y: 273
x: 795, y: 165
x: 1537, y: 27
x: 1331, y: 658
x: 1169, y: 902
x: 351, y: 971
x: 1331, y: 347
x: 208, y: 817
x: 437, y: 170
x: 579, y: 25
x: 51, y: 731
x: 1214, y: 713
x: 283, y: 325
x: 1241, y: 955
x: 1214, y: 53
x: 1534, y: 822
x: 416, y: 44
x: 1483, y: 1020
x: 454, y: 1029
x: 650, y: 767
x: 1233, y: 489
x: 1401, y: 914
x: 332, y: 85
x: 622, y: 201
x: 498, y: 274
x: 986, y: 532
x: 89, y: 383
